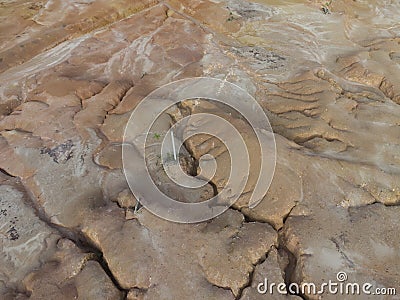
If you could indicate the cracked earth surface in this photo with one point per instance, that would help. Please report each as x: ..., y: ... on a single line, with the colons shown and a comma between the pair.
x: 73, y: 71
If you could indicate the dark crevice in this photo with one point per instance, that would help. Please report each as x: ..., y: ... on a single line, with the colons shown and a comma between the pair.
x: 103, y: 85
x: 214, y: 187
x: 253, y: 219
x: 104, y: 265
x: 342, y: 253
x: 290, y: 269
x: 20, y: 130
x: 261, y: 260
x: 249, y: 219
x: 193, y: 171
x: 6, y: 173
x: 378, y: 202
x: 288, y: 214
x: 121, y: 98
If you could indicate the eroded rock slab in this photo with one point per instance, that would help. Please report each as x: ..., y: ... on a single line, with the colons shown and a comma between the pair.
x: 71, y: 274
x: 164, y: 259
x: 26, y: 240
x: 327, y: 76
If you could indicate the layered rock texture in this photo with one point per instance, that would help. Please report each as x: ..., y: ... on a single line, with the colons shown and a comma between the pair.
x: 326, y: 74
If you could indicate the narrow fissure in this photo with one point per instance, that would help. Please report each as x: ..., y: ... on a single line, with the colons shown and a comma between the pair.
x: 6, y: 173
x: 251, y: 274
x: 290, y: 269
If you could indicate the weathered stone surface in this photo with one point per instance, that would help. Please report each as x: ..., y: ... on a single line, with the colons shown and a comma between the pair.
x: 360, y: 242
x: 56, y: 175
x: 26, y: 240
x: 327, y: 75
x: 93, y: 283
x: 70, y: 274
x: 150, y: 248
x: 271, y: 271
x: 36, y: 26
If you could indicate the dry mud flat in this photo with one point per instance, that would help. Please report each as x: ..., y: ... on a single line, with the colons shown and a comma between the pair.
x: 326, y: 74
